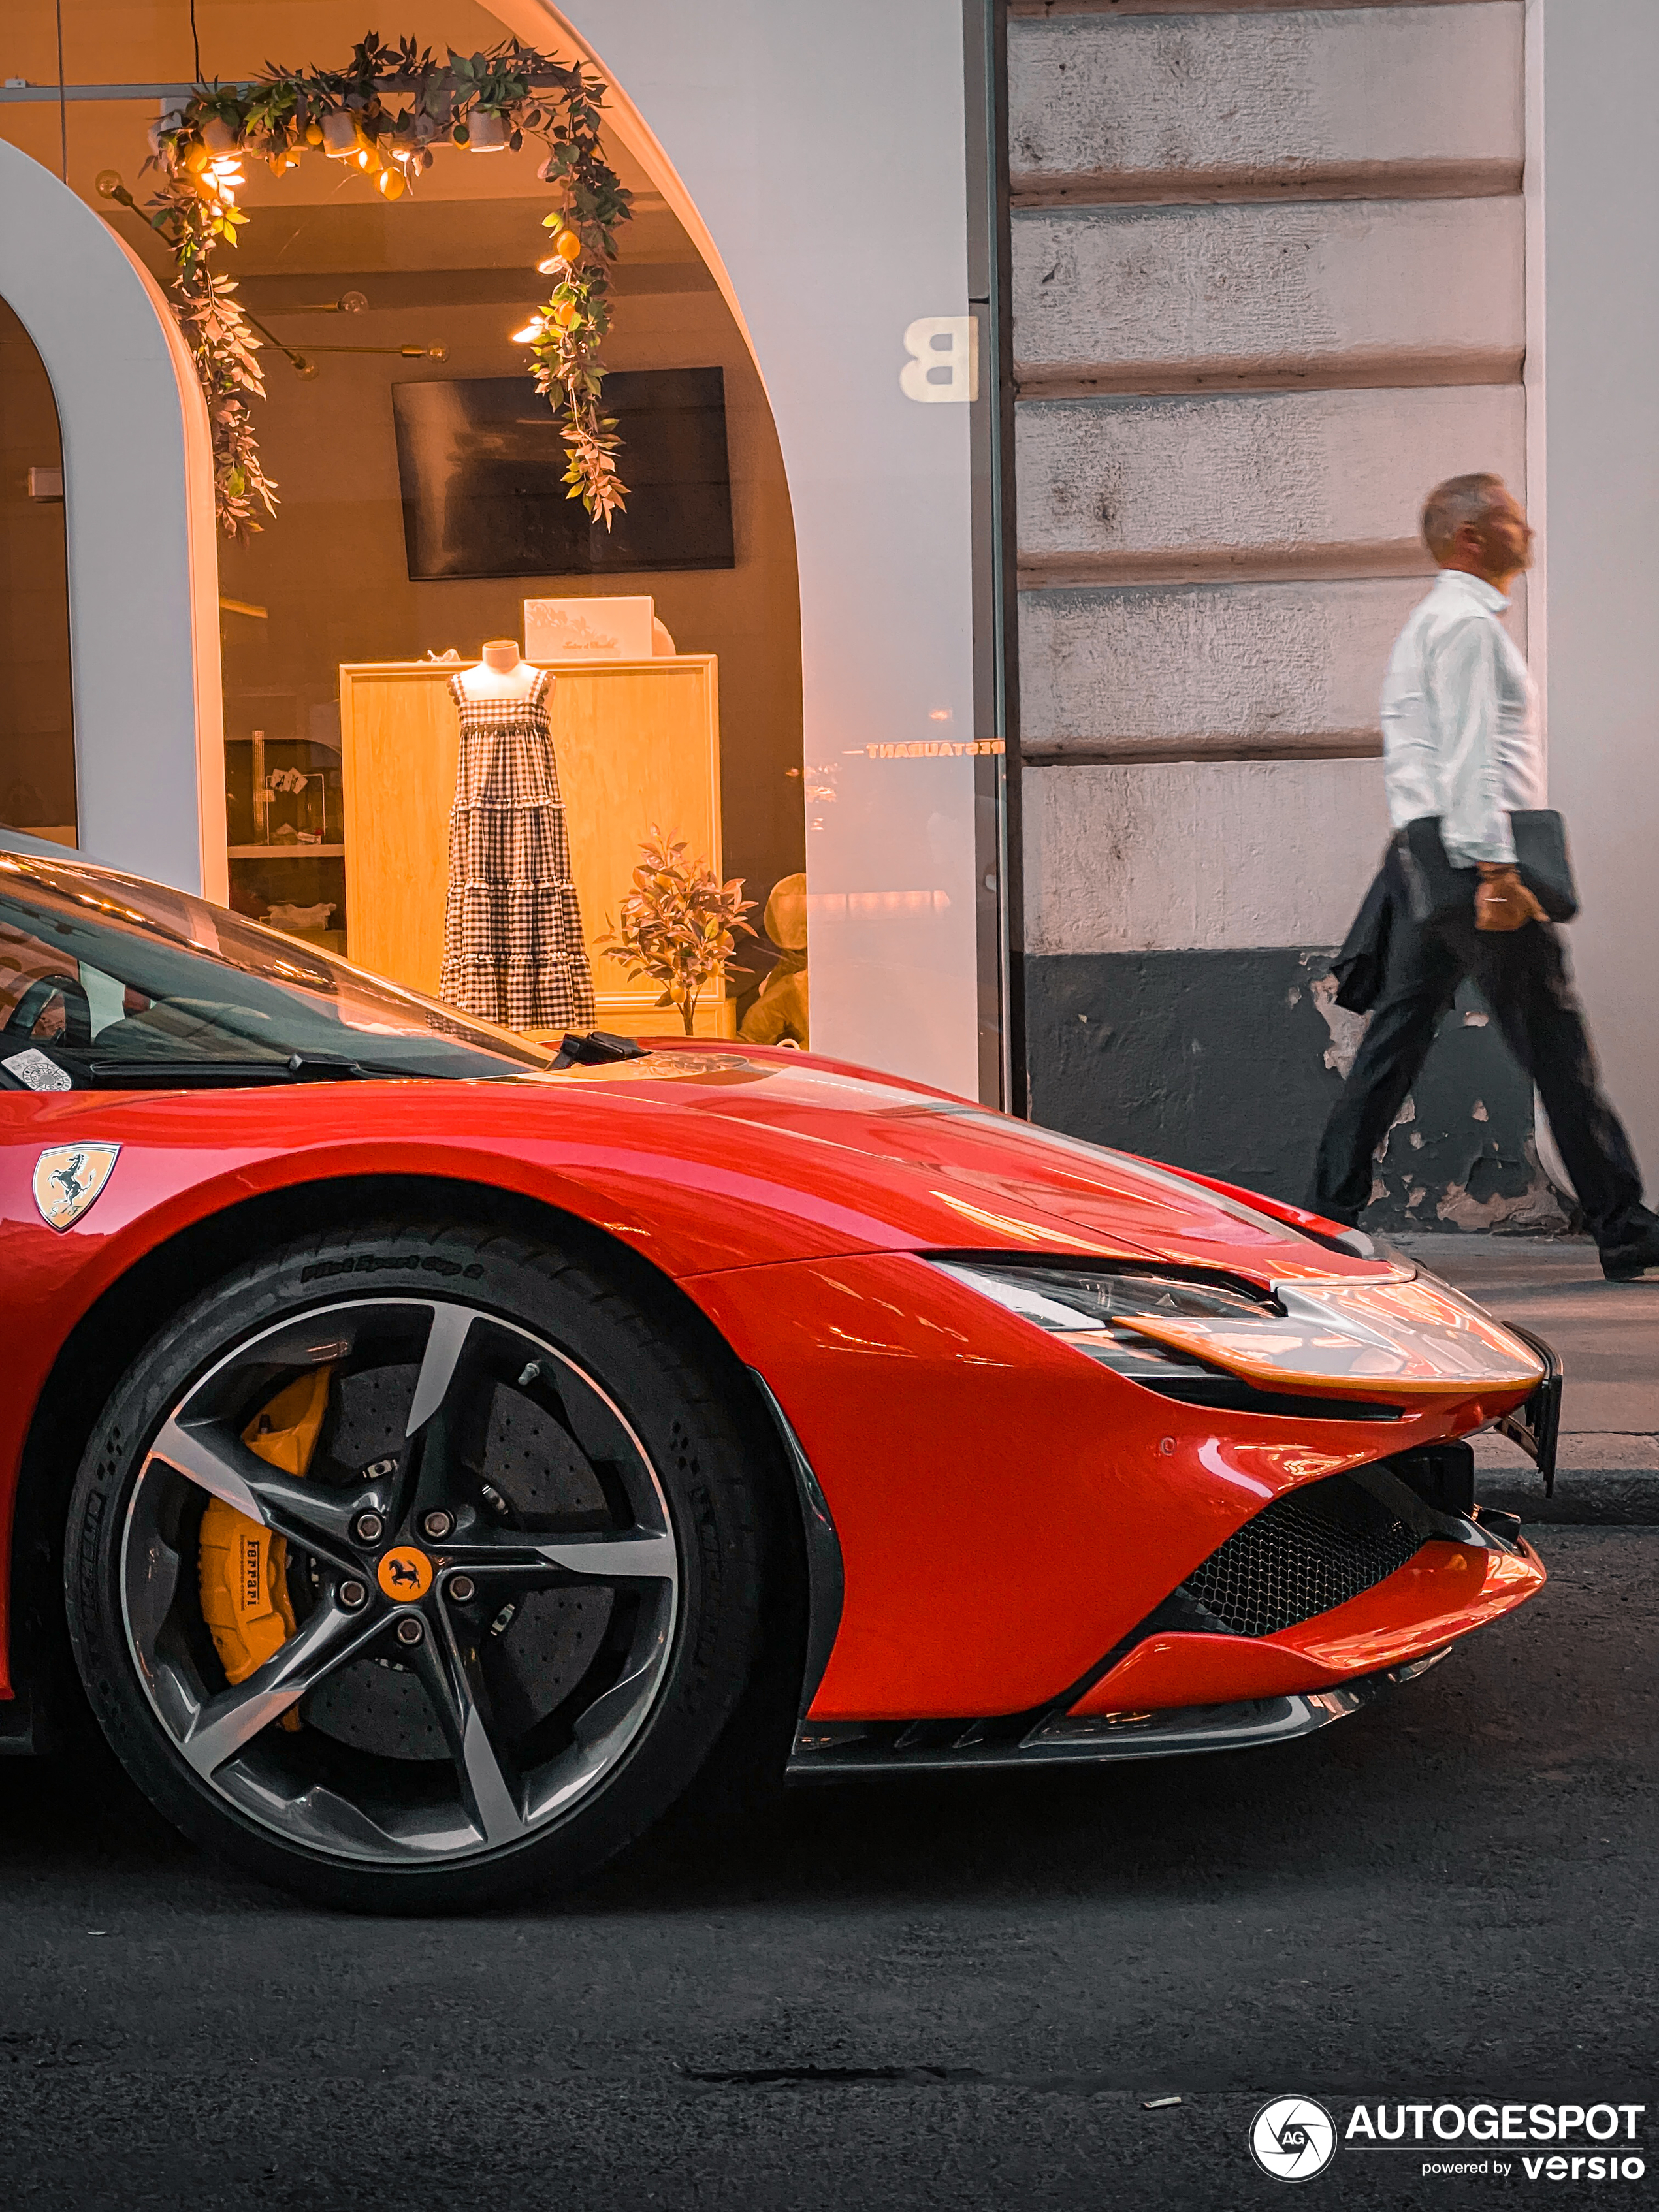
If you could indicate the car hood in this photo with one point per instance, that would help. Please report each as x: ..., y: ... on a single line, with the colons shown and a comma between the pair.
x: 921, y: 1167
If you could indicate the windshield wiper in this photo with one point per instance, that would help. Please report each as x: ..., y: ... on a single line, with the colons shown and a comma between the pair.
x: 182, y: 1071
x: 324, y: 1067
x: 170, y: 1071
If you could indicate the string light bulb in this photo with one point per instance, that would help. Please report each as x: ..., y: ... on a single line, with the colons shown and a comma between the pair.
x: 534, y: 329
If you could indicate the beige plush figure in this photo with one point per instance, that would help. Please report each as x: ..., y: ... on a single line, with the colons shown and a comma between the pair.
x: 778, y: 1013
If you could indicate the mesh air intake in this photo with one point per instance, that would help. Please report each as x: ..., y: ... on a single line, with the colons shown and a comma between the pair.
x: 1309, y: 1550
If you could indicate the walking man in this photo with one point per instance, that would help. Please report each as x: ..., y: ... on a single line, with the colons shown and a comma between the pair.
x: 1461, y: 741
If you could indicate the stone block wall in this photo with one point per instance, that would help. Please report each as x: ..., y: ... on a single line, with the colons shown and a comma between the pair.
x: 1269, y: 285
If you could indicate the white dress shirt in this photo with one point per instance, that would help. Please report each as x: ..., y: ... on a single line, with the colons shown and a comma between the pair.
x: 1460, y: 722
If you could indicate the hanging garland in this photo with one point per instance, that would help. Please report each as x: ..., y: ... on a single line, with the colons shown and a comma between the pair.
x: 387, y: 114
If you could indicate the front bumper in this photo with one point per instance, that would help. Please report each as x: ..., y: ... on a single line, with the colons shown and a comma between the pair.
x: 1007, y: 1511
x: 1444, y: 1592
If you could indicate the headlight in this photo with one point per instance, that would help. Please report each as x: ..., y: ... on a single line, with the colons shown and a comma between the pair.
x: 1398, y: 1334
x: 1097, y: 1313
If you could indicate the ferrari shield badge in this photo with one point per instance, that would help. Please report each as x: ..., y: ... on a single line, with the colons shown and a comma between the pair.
x: 68, y: 1178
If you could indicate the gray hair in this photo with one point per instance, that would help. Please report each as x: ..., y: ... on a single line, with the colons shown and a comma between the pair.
x: 1460, y: 499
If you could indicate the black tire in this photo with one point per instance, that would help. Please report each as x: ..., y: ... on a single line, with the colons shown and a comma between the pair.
x: 703, y: 1462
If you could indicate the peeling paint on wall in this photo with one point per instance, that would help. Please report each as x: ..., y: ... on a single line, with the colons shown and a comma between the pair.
x: 1347, y: 1029
x: 1535, y: 1211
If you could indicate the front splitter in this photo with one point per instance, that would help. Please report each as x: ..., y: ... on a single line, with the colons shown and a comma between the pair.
x: 824, y: 1751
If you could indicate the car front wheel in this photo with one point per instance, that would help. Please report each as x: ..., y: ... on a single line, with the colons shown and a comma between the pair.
x: 411, y: 1567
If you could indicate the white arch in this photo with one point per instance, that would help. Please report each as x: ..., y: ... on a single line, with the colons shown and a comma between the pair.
x: 142, y: 560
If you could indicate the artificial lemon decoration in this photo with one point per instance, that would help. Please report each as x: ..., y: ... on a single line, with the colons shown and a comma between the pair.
x: 390, y: 184
x: 314, y: 134
x: 197, y: 157
x: 567, y: 246
x: 567, y: 316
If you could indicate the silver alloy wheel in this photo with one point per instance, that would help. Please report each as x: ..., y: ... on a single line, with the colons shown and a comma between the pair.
x: 546, y: 1619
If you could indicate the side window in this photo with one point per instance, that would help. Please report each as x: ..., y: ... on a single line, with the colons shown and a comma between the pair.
x: 39, y: 988
x: 47, y: 998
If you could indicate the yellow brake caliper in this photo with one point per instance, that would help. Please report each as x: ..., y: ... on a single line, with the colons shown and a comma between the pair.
x: 243, y: 1567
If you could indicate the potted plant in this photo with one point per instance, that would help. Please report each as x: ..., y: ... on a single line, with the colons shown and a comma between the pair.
x: 679, y: 925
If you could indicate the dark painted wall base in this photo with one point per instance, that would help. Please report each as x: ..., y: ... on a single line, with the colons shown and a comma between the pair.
x: 1227, y: 1062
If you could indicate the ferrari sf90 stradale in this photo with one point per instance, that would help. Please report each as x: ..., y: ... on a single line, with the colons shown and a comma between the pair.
x: 434, y: 1455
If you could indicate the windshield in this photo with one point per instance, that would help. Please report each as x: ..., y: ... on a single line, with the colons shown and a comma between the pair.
x: 107, y: 981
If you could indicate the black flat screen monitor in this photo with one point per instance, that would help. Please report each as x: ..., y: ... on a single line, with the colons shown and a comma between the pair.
x: 482, y: 465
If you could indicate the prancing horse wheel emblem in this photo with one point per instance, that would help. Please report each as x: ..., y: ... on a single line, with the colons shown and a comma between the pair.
x: 405, y: 1574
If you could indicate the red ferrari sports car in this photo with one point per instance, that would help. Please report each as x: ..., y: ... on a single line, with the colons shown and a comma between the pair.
x: 432, y: 1457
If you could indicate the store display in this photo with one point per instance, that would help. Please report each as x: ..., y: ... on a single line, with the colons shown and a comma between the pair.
x: 636, y: 741
x: 589, y: 629
x: 299, y: 920
x: 514, y: 948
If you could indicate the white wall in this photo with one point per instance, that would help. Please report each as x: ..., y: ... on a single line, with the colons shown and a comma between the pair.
x: 143, y: 566
x: 1600, y: 328
x: 820, y: 149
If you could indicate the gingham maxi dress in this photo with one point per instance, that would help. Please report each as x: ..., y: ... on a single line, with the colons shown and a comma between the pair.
x: 514, y: 949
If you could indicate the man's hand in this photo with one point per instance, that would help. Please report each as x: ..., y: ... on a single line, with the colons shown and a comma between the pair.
x: 1502, y: 901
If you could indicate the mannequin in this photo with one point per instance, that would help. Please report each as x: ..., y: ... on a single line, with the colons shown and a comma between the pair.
x: 514, y: 950
x: 501, y: 674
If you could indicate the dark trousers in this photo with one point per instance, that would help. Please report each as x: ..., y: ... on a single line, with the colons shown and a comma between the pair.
x: 1522, y: 977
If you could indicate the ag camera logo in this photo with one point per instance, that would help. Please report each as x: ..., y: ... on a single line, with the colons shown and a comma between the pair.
x: 1293, y: 2138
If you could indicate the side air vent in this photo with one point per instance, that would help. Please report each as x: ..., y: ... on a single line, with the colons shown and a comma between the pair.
x: 1312, y: 1549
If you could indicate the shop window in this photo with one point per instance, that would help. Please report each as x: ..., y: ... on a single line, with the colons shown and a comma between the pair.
x: 37, y: 720
x: 421, y: 506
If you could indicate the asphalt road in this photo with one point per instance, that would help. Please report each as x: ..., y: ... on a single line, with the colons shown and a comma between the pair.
x: 948, y: 1994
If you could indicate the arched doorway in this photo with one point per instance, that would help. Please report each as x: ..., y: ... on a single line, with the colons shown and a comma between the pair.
x: 37, y: 705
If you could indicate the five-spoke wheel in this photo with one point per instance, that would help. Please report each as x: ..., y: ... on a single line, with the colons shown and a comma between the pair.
x: 397, y: 1584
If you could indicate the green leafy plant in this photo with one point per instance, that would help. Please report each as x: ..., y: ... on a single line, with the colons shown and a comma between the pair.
x: 679, y: 925
x: 387, y: 112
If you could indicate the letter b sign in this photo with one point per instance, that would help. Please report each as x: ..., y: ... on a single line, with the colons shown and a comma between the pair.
x: 943, y: 361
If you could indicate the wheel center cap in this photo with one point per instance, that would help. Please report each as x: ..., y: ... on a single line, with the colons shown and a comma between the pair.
x: 404, y: 1573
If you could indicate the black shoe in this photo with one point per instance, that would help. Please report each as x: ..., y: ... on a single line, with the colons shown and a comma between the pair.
x: 1624, y: 1262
